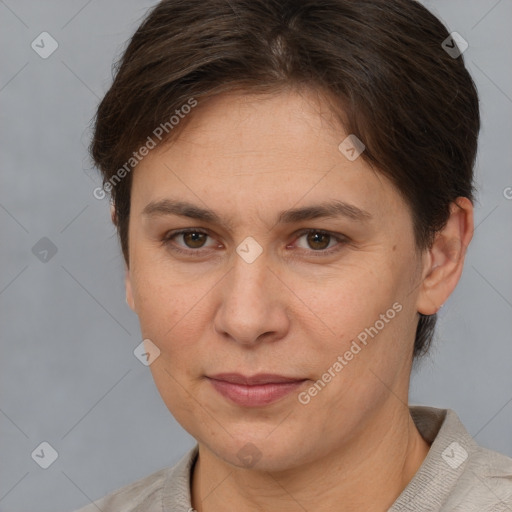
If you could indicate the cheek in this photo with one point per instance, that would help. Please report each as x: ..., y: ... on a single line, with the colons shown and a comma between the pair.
x: 158, y: 294
x: 169, y: 315
x: 362, y: 316
x: 347, y: 301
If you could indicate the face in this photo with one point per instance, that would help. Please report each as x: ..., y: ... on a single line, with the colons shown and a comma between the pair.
x: 267, y: 285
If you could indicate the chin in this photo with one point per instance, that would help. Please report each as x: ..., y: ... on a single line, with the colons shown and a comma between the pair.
x: 272, y: 455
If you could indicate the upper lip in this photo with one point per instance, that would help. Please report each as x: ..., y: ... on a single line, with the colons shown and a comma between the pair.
x: 260, y: 378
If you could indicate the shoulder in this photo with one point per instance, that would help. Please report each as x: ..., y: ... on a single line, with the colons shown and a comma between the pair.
x: 168, y: 486
x: 486, y: 481
x: 483, y: 477
x: 458, y: 474
x: 144, y: 494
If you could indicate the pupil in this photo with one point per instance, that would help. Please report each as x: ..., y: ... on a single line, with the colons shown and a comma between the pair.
x: 194, y: 236
x: 321, y: 235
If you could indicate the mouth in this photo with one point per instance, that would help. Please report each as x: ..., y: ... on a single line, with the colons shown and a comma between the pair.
x: 260, y: 378
x: 254, y: 391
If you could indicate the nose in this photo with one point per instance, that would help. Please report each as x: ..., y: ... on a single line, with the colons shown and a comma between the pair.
x: 252, y: 304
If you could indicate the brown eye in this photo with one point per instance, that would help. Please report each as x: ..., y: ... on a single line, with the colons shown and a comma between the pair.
x: 320, y: 243
x: 318, y: 240
x: 194, y: 239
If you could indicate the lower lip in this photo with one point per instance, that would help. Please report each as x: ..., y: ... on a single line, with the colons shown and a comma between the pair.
x: 255, y: 396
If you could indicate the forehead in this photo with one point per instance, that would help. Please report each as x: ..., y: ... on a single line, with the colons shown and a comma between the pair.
x: 252, y: 151
x: 240, y: 121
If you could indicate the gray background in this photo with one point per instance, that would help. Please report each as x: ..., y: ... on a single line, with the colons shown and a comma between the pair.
x: 68, y: 375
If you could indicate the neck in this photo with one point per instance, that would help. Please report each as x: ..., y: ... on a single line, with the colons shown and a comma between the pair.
x: 368, y: 473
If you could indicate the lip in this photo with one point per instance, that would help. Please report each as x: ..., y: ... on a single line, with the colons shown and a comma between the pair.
x: 260, y: 378
x: 255, y: 391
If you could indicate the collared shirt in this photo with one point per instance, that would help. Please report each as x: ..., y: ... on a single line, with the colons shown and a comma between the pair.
x: 457, y: 475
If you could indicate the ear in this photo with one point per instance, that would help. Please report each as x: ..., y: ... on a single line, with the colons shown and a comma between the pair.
x: 113, y: 215
x: 444, y: 261
x: 128, y: 287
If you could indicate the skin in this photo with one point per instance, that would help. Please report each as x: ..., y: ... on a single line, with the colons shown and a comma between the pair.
x: 292, y: 311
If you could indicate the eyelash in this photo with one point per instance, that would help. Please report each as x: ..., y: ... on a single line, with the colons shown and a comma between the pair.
x: 167, y: 241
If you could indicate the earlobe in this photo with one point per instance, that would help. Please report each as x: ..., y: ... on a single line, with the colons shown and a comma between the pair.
x: 129, y: 292
x: 127, y: 276
x: 445, y: 261
x: 113, y: 215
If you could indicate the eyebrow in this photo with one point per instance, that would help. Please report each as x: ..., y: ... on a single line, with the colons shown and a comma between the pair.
x: 330, y: 209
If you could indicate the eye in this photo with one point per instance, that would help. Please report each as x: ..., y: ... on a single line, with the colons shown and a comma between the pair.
x: 320, y: 241
x: 193, y: 238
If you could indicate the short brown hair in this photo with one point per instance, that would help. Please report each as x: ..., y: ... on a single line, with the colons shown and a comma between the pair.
x: 394, y: 86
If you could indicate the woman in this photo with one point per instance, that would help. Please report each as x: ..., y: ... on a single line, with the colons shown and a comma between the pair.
x: 292, y: 184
